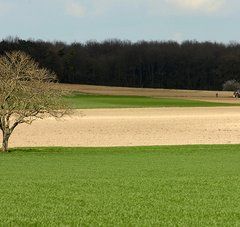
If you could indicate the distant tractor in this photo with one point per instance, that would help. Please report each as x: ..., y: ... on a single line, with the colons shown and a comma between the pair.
x: 236, y: 93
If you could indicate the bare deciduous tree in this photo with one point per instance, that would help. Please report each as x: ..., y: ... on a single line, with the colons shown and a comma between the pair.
x: 27, y: 93
x: 231, y: 85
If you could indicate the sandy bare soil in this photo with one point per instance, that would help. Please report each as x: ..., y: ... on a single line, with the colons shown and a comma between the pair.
x: 134, y: 127
x: 223, y: 96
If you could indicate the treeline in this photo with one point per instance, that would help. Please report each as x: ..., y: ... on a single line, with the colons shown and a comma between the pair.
x: 189, y: 65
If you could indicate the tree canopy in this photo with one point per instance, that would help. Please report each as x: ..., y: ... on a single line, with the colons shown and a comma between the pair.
x: 189, y: 65
x: 27, y: 92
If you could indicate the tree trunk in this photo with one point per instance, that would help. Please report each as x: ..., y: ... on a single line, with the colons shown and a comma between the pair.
x: 6, y: 137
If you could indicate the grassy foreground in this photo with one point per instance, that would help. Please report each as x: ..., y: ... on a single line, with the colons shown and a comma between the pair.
x: 168, y: 186
x: 84, y: 101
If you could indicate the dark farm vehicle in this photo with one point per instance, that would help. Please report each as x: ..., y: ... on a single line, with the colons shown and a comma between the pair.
x: 236, y: 93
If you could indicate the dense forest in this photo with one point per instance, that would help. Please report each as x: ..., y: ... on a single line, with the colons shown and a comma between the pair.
x: 189, y: 65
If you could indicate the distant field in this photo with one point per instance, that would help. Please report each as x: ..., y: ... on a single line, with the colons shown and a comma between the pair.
x: 223, y: 96
x: 141, y: 186
x: 88, y: 101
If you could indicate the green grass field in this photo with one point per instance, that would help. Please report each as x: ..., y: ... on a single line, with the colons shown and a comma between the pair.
x: 85, y: 101
x: 167, y: 186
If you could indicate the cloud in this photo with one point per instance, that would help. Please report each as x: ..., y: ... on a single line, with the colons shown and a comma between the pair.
x: 5, y: 7
x: 75, y: 9
x: 81, y: 8
x: 198, y: 5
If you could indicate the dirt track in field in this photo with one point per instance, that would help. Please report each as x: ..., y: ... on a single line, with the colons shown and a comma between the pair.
x: 223, y: 96
x: 134, y: 127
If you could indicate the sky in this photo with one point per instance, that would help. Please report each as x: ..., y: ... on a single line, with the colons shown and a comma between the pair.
x: 134, y: 20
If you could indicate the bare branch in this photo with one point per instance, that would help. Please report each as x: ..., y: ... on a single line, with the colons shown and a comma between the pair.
x: 27, y: 92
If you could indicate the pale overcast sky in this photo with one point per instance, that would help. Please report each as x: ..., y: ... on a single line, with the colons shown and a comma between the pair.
x: 81, y: 20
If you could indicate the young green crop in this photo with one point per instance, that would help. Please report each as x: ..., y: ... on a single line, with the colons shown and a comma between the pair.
x: 87, y: 101
x: 144, y: 186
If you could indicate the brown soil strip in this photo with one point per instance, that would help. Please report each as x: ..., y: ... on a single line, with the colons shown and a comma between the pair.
x: 134, y: 127
x: 223, y: 96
